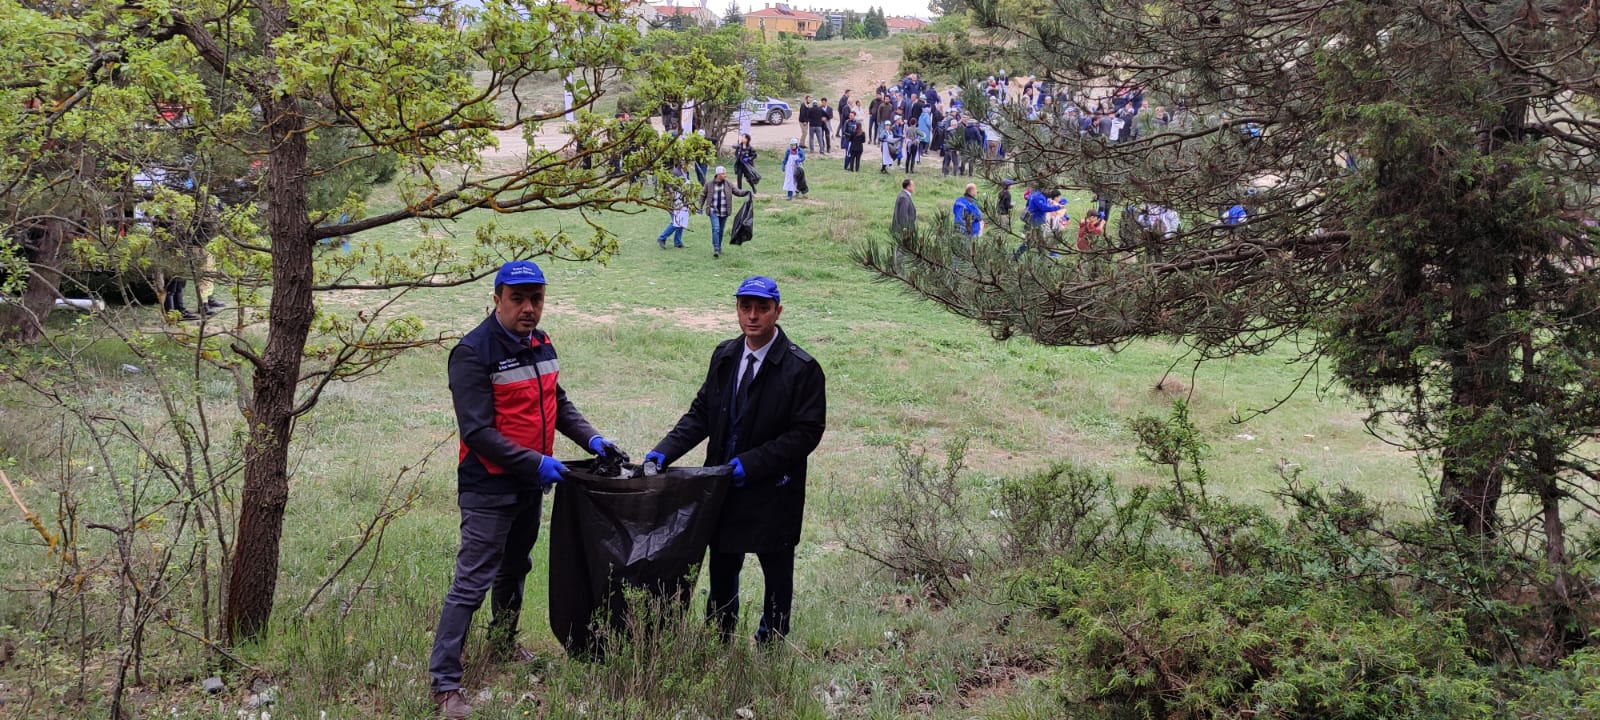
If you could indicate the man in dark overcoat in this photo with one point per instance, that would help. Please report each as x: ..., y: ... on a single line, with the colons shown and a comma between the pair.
x: 763, y: 406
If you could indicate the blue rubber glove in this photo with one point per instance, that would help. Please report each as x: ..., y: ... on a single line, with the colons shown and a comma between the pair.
x: 657, y: 458
x: 605, y: 448
x: 738, y: 473
x: 551, y: 471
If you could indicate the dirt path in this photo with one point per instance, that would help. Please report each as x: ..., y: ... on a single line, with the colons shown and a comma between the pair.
x: 867, y: 70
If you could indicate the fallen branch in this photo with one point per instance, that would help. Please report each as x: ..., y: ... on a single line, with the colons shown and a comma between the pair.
x: 33, y: 519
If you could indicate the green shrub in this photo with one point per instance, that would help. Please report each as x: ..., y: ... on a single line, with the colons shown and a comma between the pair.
x: 920, y: 529
x: 1173, y: 642
x: 1070, y: 512
x: 1570, y: 691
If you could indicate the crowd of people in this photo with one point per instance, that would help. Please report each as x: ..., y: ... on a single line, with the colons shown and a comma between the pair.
x: 912, y: 121
x: 909, y: 119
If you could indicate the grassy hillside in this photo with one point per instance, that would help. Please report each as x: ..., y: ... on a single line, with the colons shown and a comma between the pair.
x: 634, y: 337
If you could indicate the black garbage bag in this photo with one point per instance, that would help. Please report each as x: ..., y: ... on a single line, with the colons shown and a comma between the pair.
x: 744, y: 223
x: 614, y: 531
x: 800, y: 185
x: 750, y: 173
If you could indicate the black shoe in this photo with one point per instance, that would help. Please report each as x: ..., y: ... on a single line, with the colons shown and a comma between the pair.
x: 187, y: 316
x: 661, y: 244
x: 716, y: 253
x: 215, y: 304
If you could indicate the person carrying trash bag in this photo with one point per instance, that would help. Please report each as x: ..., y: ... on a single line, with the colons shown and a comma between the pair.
x: 618, y: 527
x: 763, y: 406
x: 744, y: 223
x: 717, y: 201
x: 744, y: 163
x: 509, y: 404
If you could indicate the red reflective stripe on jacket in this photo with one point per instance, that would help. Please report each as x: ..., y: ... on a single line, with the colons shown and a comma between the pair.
x: 525, y: 406
x: 524, y: 399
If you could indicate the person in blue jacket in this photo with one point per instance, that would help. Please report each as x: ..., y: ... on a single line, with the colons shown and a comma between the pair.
x: 1040, y: 204
x: 1234, y: 215
x: 967, y: 215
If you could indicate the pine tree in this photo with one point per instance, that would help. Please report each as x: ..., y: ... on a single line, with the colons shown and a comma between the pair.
x: 1419, y: 217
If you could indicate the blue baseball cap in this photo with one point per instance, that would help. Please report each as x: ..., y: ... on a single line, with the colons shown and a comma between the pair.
x: 519, y: 272
x: 759, y: 286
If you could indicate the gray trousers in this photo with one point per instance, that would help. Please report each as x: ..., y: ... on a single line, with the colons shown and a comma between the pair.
x: 494, y: 555
x: 819, y: 138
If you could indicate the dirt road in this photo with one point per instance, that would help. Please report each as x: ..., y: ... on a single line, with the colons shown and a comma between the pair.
x: 862, y: 77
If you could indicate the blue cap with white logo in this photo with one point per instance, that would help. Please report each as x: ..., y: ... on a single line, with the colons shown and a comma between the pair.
x: 759, y: 286
x: 519, y: 272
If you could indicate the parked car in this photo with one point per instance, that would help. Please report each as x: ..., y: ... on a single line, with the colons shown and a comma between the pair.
x: 770, y: 111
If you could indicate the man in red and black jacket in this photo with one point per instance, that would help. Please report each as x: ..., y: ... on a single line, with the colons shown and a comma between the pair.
x: 504, y: 381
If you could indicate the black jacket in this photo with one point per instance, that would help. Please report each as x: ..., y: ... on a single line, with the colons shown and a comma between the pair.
x: 783, y: 424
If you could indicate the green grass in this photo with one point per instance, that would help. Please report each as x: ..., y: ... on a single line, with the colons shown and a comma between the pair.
x: 634, y: 336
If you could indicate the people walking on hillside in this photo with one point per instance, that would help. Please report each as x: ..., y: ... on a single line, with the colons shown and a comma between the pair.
x: 744, y: 163
x: 972, y: 149
x: 951, y: 138
x: 1002, y: 205
x: 968, y: 217
x: 858, y: 144
x: 1091, y: 230
x: 717, y: 201
x: 677, y: 217
x: 843, y: 109
x: 904, y: 223
x: 804, y: 116
x: 917, y: 138
x: 792, y: 170
x: 1041, y: 205
x: 821, y: 139
x: 890, y: 138
x: 882, y: 115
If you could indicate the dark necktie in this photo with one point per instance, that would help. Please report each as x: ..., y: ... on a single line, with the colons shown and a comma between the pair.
x: 741, y: 397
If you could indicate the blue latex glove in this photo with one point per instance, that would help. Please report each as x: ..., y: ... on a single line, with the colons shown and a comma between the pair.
x: 605, y: 448
x: 551, y: 471
x: 657, y: 458
x: 738, y: 473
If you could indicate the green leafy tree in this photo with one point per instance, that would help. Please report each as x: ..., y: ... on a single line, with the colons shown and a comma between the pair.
x: 875, y: 24
x: 854, y: 27
x: 265, y: 83
x: 824, y: 31
x: 1420, y: 221
x: 725, y: 56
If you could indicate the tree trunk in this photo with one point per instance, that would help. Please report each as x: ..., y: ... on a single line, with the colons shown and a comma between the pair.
x: 24, y: 322
x: 1473, y: 459
x: 254, y: 576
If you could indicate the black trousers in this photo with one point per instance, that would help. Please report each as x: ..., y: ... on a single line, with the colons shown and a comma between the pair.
x: 777, y: 574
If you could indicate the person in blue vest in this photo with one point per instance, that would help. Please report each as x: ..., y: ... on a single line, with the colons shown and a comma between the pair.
x: 968, y: 217
x: 762, y: 409
x: 1040, y: 204
x: 509, y: 404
